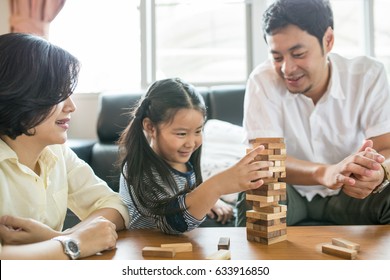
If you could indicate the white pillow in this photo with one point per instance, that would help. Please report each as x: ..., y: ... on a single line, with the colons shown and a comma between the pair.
x: 222, y: 146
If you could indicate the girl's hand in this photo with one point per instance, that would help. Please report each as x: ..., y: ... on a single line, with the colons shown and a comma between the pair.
x: 245, y: 175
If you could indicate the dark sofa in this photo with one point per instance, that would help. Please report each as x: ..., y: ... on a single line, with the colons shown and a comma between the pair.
x: 223, y: 102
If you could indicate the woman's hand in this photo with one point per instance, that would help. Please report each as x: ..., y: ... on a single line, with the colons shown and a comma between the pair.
x: 16, y: 231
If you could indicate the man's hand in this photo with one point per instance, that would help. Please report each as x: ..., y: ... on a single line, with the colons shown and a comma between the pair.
x: 365, y: 184
x: 221, y: 211
x: 358, y: 171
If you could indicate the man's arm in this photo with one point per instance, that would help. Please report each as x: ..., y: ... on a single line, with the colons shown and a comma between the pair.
x: 365, y: 163
x: 365, y: 185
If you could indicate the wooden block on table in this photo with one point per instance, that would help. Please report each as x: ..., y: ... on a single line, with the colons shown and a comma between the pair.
x: 259, y: 227
x: 224, y: 243
x: 179, y: 247
x: 266, y: 223
x: 158, y: 252
x: 266, y: 234
x: 267, y: 241
x: 220, y: 255
x: 345, y: 243
x: 339, y: 251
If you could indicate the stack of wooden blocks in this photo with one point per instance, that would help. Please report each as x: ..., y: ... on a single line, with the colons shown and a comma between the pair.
x: 266, y: 223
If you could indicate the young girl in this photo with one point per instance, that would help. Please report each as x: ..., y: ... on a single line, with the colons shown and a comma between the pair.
x: 40, y: 177
x: 161, y: 180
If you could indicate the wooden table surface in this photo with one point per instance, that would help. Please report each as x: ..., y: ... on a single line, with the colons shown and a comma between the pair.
x: 303, y: 243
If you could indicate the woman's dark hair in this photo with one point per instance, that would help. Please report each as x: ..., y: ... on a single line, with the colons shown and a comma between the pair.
x: 312, y: 16
x: 35, y: 75
x: 139, y: 162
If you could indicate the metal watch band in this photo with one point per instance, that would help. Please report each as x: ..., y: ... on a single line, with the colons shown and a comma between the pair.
x: 385, y: 182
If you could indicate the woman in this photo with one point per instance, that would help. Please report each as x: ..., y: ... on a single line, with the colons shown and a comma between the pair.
x: 40, y: 177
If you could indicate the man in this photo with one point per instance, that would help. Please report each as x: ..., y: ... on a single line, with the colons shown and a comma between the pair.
x: 332, y: 112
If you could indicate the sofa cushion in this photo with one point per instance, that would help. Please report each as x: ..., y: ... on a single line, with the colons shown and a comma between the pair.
x: 113, y: 114
x: 227, y: 103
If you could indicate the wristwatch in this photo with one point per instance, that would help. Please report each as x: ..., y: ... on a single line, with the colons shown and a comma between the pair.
x: 385, y: 182
x: 71, y: 246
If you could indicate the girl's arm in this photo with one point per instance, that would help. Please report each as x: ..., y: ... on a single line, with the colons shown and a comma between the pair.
x: 244, y: 175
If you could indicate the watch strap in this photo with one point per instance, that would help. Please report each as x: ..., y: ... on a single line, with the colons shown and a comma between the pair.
x: 65, y: 242
x: 385, y: 182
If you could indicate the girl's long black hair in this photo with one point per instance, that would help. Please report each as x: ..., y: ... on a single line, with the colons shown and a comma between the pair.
x: 138, y: 160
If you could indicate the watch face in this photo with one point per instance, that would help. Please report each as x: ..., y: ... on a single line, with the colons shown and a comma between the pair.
x: 73, y: 247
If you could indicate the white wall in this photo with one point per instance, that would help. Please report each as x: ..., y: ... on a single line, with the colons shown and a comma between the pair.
x: 4, y: 16
x: 84, y: 119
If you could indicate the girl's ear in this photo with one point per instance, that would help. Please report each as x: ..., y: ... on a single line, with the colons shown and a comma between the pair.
x: 148, y: 127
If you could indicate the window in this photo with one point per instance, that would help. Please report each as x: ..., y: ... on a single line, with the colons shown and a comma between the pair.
x: 104, y: 36
x: 128, y: 44
x: 201, y: 41
x: 382, y: 33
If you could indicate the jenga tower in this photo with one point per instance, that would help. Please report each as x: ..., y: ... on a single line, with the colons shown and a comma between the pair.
x: 266, y: 223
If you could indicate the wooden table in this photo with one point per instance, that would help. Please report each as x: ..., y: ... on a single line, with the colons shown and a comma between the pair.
x: 303, y: 243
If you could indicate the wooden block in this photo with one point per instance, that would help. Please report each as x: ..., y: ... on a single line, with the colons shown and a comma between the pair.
x: 224, y: 243
x: 275, y: 186
x: 280, y: 152
x: 273, y: 146
x: 268, y: 140
x: 220, y: 255
x: 265, y: 234
x: 158, y: 252
x: 264, y: 192
x: 275, y: 168
x: 261, y: 198
x: 279, y: 163
x: 265, y: 216
x: 269, y: 180
x: 267, y: 241
x: 179, y: 247
x: 258, y: 227
x: 271, y: 208
x: 345, y: 243
x: 266, y: 223
x: 339, y: 251
x: 270, y: 157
